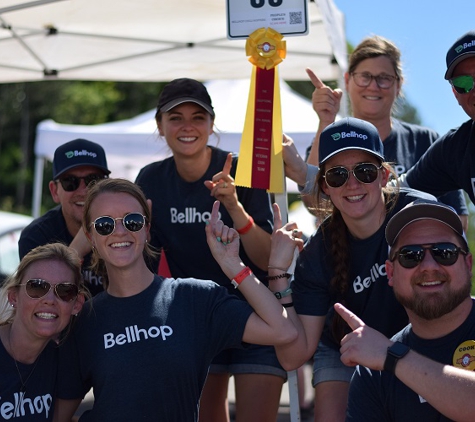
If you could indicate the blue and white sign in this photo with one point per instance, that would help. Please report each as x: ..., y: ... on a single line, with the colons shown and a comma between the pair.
x: 288, y: 17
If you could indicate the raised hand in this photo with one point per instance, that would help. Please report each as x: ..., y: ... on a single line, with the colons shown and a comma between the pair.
x: 222, y: 185
x: 364, y: 346
x: 294, y: 165
x: 325, y: 101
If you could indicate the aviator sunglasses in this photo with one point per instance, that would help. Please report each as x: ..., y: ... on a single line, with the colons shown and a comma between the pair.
x: 36, y: 288
x: 71, y: 183
x: 410, y: 256
x: 462, y: 84
x: 105, y: 225
x: 336, y: 177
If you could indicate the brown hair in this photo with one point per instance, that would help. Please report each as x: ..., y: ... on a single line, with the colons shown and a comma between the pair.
x: 114, y: 186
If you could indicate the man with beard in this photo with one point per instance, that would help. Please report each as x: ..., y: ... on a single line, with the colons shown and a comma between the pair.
x: 76, y: 164
x: 425, y: 372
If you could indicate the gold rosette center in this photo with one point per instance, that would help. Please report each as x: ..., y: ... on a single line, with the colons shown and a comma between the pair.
x: 266, y: 48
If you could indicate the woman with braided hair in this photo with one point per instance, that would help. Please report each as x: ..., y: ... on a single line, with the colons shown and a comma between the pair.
x: 343, y: 261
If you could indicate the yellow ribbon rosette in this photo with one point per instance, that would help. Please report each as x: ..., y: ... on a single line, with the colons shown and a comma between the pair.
x: 260, y: 162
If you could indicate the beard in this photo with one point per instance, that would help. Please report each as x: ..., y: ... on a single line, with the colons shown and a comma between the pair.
x: 430, y: 306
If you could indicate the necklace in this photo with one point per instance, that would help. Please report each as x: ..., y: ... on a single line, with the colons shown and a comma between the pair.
x: 23, y: 383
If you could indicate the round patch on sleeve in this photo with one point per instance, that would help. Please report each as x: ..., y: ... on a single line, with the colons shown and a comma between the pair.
x: 464, y: 355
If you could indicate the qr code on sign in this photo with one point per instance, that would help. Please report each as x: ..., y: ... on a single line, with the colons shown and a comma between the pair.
x: 295, y: 18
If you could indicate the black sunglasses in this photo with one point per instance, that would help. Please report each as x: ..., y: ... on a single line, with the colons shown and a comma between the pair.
x: 71, y: 183
x: 36, y: 288
x: 410, y: 256
x: 462, y: 84
x: 364, y: 173
x: 105, y: 225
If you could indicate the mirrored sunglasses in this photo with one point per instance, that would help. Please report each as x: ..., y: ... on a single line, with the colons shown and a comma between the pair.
x: 410, y: 256
x: 462, y: 84
x: 36, y: 288
x: 105, y: 225
x: 71, y: 183
x: 336, y: 177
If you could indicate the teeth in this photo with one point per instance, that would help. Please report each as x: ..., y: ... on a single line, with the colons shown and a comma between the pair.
x: 46, y: 315
x: 355, y: 197
x: 120, y: 245
x: 371, y: 98
x: 187, y: 139
x: 431, y: 283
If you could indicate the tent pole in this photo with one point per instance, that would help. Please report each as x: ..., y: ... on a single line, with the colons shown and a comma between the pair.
x: 37, y: 186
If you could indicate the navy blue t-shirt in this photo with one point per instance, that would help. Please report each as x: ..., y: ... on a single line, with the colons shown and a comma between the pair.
x: 448, y: 164
x: 180, y: 210
x: 369, y: 296
x: 377, y: 396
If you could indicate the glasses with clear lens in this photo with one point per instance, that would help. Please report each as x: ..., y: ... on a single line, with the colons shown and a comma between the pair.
x: 364, y: 173
x: 105, y: 225
x: 462, y: 84
x: 363, y: 79
x: 71, y: 183
x: 410, y: 256
x: 36, y: 288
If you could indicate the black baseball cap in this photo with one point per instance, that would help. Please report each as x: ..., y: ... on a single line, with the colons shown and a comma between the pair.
x: 423, y: 209
x: 347, y: 134
x: 78, y: 152
x: 463, y: 48
x: 184, y: 90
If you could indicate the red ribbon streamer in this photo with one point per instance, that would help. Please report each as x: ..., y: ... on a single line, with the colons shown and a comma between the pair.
x: 263, y: 112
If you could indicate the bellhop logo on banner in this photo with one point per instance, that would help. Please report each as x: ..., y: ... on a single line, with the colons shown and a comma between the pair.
x: 260, y: 157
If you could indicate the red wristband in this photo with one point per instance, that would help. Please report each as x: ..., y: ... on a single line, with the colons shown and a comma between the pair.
x: 237, y: 280
x: 247, y: 227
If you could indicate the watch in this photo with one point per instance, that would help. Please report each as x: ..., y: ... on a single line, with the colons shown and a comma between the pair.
x: 284, y: 293
x: 397, y: 351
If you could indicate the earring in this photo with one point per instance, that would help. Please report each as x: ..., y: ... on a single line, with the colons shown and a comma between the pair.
x: 12, y: 305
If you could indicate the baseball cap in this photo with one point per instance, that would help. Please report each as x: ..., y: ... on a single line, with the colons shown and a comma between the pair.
x: 463, y: 48
x: 423, y: 209
x: 78, y: 152
x: 347, y: 134
x: 184, y: 90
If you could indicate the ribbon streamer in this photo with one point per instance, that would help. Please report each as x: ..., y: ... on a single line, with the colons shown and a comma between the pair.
x: 260, y: 162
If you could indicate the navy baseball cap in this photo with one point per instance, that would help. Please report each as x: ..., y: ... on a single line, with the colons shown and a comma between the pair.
x: 184, y: 90
x: 423, y: 209
x: 347, y: 134
x: 78, y: 152
x: 463, y: 48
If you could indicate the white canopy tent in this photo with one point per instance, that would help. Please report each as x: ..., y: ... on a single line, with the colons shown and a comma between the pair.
x: 131, y: 144
x: 150, y: 40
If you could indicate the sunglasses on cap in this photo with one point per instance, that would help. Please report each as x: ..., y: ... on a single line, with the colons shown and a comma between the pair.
x: 105, y: 225
x: 336, y: 177
x: 410, y: 256
x: 71, y: 183
x: 462, y: 84
x: 36, y: 288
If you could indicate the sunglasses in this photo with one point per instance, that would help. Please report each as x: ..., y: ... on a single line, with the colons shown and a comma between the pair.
x: 410, y: 256
x: 462, y: 84
x: 36, y: 288
x: 364, y: 173
x: 71, y: 183
x: 105, y: 225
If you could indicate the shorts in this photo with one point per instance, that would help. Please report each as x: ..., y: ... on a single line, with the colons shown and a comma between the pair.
x: 327, y: 366
x: 253, y: 359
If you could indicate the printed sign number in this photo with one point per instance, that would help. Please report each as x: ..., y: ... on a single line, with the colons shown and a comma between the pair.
x: 260, y: 3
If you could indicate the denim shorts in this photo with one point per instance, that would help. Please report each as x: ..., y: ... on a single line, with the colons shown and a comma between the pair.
x: 253, y: 359
x: 327, y: 366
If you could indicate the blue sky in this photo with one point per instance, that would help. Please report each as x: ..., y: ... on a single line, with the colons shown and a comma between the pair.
x: 423, y: 30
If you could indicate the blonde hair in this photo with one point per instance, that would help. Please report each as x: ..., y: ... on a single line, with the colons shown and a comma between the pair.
x: 48, y: 252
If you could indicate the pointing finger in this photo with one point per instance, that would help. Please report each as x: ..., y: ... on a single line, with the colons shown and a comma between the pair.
x: 317, y: 83
x: 228, y: 164
x: 351, y: 319
x: 277, y: 217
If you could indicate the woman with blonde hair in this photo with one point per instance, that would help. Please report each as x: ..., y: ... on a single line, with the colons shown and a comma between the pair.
x: 37, y: 305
